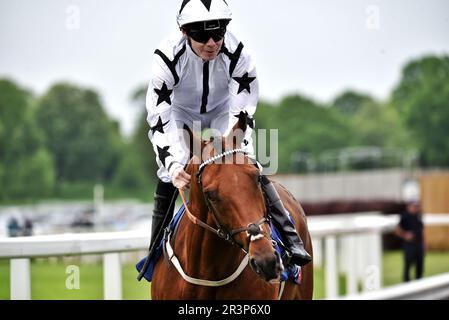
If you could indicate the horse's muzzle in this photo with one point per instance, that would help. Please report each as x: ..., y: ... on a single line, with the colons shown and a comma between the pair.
x: 268, y: 267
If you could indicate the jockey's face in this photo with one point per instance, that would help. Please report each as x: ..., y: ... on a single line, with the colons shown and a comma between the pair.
x: 413, y: 207
x: 206, y: 51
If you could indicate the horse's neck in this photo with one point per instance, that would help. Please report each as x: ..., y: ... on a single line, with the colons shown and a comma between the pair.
x: 204, y: 240
x: 208, y: 255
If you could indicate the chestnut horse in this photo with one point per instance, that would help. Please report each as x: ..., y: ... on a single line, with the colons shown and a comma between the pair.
x: 224, y: 230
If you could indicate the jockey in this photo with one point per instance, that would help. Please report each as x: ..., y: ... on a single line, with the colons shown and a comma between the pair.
x: 206, y: 76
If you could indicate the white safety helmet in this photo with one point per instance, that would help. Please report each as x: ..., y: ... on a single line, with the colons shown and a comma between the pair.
x: 411, y: 191
x: 203, y: 10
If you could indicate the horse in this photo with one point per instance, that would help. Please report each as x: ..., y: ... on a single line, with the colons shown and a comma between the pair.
x: 225, y: 229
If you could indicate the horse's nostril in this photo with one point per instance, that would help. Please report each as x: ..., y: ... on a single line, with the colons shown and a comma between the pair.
x: 254, y: 265
x: 268, y: 268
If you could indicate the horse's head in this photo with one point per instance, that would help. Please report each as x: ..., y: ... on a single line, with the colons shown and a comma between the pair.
x: 227, y: 182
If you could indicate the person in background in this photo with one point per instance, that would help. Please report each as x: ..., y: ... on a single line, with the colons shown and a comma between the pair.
x: 13, y: 227
x: 411, y: 230
x: 27, y: 227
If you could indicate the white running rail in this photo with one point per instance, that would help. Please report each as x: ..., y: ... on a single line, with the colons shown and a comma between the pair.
x: 431, y: 288
x: 357, y: 238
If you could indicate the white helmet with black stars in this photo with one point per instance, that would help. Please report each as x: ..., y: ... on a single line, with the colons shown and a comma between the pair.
x: 203, y: 10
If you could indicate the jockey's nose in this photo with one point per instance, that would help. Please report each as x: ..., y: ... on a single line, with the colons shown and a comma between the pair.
x: 210, y: 42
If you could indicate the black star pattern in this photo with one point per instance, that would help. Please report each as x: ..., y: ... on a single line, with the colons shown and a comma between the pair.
x: 164, y: 94
x: 246, y: 142
x: 163, y: 154
x: 244, y: 82
x: 249, y: 120
x: 207, y: 4
x: 183, y: 5
x: 159, y: 126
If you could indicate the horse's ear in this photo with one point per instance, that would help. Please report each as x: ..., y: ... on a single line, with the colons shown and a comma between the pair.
x: 237, y: 134
x: 193, y: 143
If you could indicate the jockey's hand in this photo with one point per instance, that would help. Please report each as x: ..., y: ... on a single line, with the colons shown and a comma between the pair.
x: 180, y: 178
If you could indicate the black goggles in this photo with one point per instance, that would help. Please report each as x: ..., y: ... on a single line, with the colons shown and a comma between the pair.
x: 203, y: 36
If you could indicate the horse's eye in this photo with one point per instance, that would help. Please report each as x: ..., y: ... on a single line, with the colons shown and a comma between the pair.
x: 212, y: 195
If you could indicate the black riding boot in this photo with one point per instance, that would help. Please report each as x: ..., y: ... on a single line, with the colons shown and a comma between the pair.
x: 162, y: 198
x: 291, y: 238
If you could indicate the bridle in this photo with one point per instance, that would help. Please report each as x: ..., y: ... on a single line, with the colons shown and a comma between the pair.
x: 253, y: 230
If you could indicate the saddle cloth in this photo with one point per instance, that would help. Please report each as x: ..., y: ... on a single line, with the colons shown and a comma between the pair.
x: 291, y: 272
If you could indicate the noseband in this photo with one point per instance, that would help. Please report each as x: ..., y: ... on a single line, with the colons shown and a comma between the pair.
x: 254, y: 230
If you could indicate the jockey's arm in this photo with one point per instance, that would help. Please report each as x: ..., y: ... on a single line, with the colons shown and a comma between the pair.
x: 163, y: 132
x: 244, y: 95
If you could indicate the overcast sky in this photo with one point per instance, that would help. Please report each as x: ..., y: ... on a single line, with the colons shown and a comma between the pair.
x: 318, y: 48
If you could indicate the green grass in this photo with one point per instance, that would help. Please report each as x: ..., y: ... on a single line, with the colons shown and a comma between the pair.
x: 48, y: 281
x: 436, y: 262
x: 48, y: 278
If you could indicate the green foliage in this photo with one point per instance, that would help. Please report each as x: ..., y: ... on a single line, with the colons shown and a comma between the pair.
x: 26, y: 168
x: 373, y: 123
x: 305, y: 127
x: 85, y: 143
x: 422, y: 98
x: 129, y: 172
x: 265, y: 115
x: 379, y: 140
x: 140, y: 143
x: 63, y: 143
x: 313, y: 136
x: 310, y: 128
x: 378, y: 125
x: 136, y: 173
x: 31, y: 177
x: 350, y: 102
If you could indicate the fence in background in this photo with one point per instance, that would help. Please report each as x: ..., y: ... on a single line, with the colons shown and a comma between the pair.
x: 345, y: 243
x: 361, y: 185
x: 352, y: 245
x: 431, y: 288
x: 434, y: 198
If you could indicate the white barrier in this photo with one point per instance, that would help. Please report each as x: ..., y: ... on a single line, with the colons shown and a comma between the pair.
x: 357, y: 237
x: 19, y: 250
x: 358, y: 247
x: 431, y: 288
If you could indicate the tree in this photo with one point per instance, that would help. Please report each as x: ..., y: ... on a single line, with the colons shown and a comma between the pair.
x: 305, y: 127
x: 422, y: 99
x: 265, y: 116
x: 131, y: 174
x: 84, y: 142
x: 373, y: 123
x: 26, y: 167
x: 378, y: 124
x: 350, y: 102
x: 140, y: 142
